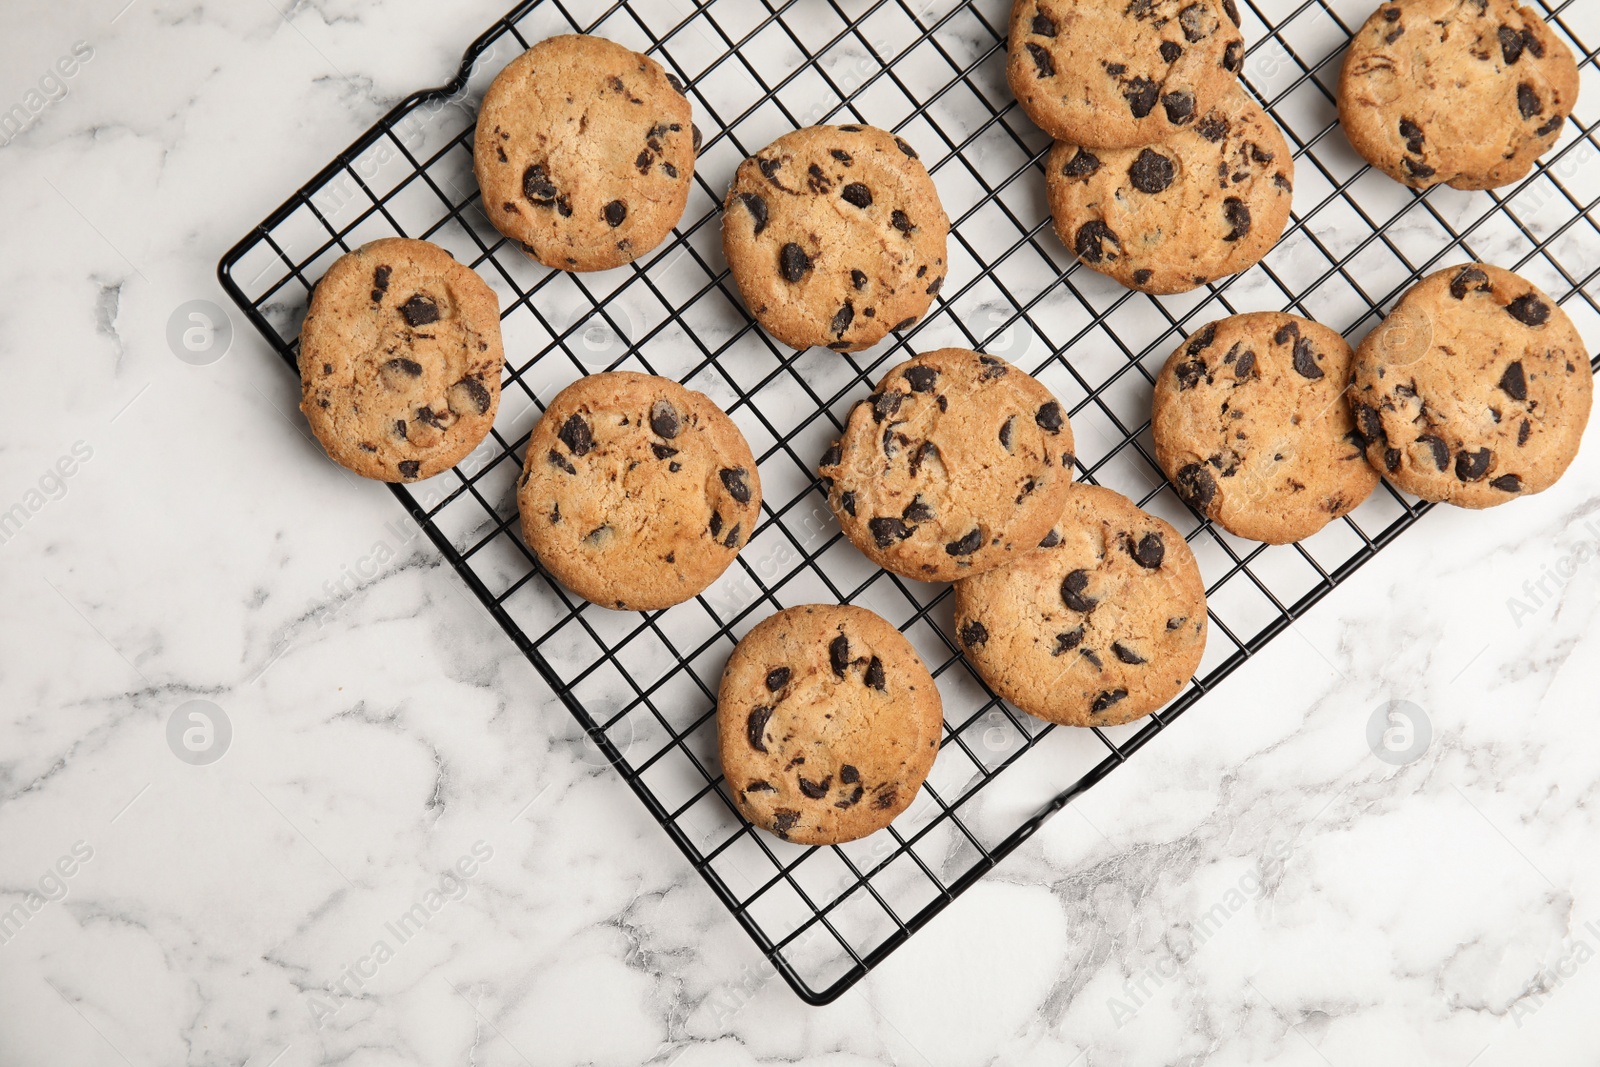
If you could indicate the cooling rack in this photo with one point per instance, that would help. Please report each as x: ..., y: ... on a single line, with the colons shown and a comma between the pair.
x: 643, y: 686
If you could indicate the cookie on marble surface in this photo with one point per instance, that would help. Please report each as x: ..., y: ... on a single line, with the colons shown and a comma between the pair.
x: 585, y: 153
x: 1122, y: 73
x: 1102, y: 625
x: 1252, y: 426
x: 955, y: 463
x: 835, y: 236
x: 1166, y: 218
x: 400, y: 360
x: 637, y: 493
x: 828, y: 723
x: 1466, y: 92
x: 1475, y: 390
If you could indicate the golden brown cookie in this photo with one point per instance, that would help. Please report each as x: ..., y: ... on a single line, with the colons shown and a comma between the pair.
x: 1122, y: 73
x: 1211, y: 201
x: 400, y: 360
x: 1252, y: 426
x: 637, y: 493
x: 828, y: 723
x: 1475, y: 390
x: 1102, y: 625
x: 585, y: 153
x: 956, y: 462
x: 835, y: 236
x: 1467, y: 92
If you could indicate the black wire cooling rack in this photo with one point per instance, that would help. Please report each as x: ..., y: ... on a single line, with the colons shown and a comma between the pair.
x: 644, y: 685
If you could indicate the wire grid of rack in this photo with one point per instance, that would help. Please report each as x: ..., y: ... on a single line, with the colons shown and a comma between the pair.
x: 643, y: 685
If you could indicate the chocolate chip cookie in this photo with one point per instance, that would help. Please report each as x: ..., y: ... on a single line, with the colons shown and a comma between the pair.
x: 637, y: 493
x: 1209, y: 202
x: 1101, y: 626
x: 1475, y: 390
x: 1467, y: 92
x: 1252, y: 427
x: 955, y: 463
x: 1122, y: 73
x: 828, y: 723
x: 835, y: 237
x: 585, y: 153
x: 400, y: 361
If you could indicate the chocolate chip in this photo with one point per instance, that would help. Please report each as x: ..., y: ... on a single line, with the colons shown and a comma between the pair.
x: 815, y: 790
x: 756, y: 204
x: 974, y: 634
x: 1152, y: 172
x: 1508, y: 483
x: 1514, y: 383
x: 664, y: 419
x: 873, y: 678
x: 1469, y: 280
x: 817, y: 181
x: 885, y: 800
x: 1418, y: 170
x: 716, y: 524
x: 1149, y: 552
x: 842, y: 156
x: 1523, y: 433
x: 886, y: 531
x: 918, y: 510
x: 839, y: 654
x: 733, y: 536
x: 921, y: 378
x: 1246, y: 366
x: 736, y: 481
x: 1126, y: 654
x: 1232, y: 10
x: 1051, y: 539
x: 833, y: 456
x: 935, y: 285
x: 769, y: 170
x: 1305, y: 360
x: 538, y: 188
x: 1067, y: 642
x: 842, y: 320
x: 1107, y: 699
x: 1141, y: 94
x: 1196, y: 25
x: 852, y: 800
x: 992, y: 368
x: 556, y: 459
x: 1213, y: 128
x: 967, y: 545
x: 1550, y: 127
x: 1238, y: 215
x: 756, y: 728
x: 777, y: 678
x: 1171, y: 51
x: 1529, y: 310
x: 662, y: 451
x: 1203, y: 340
x: 427, y: 415
x: 904, y: 324
x: 1082, y: 165
x: 857, y: 194
x: 410, y: 468
x: 907, y: 149
x: 886, y: 404
x: 1196, y: 486
x: 1049, y: 417
x: 793, y: 262
x: 1090, y: 244
x: 1233, y: 57
x: 616, y: 211
x: 901, y: 221
x: 475, y: 392
x: 1528, y: 101
x: 784, y: 820
x: 1072, y: 587
x: 380, y: 283
x: 409, y: 367
x: 1413, y: 135
x: 759, y: 786
x: 400, y: 429
x: 1044, y: 64
x: 1369, y: 422
x: 1472, y: 466
x: 1179, y: 108
x: 858, y: 279
x: 419, y: 311
x: 1007, y: 432
x: 1044, y: 25
x: 576, y: 435
x: 848, y: 502
x: 1439, y: 450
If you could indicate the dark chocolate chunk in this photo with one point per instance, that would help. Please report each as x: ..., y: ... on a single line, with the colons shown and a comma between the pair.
x: 716, y: 524
x: 815, y: 790
x: 833, y: 456
x: 886, y: 404
x: 921, y: 378
x: 1067, y: 642
x: 967, y: 545
x: 886, y: 531
x: 1203, y: 340
x: 1072, y: 587
x: 1141, y: 94
x: 907, y: 149
x: 858, y: 279
x: 1413, y: 135
x: 475, y: 392
x: 1179, y: 108
x: 576, y: 435
x: 1508, y: 483
x: 736, y: 481
x: 784, y: 820
x: 733, y: 536
x: 857, y: 194
x: 1189, y: 373
x: 1008, y: 432
x: 1149, y: 551
x: 1469, y: 280
x: 1196, y: 486
x: 1417, y: 170
x: 409, y: 367
x: 1126, y: 654
x: 538, y: 188
x: 1213, y: 128
x: 839, y: 654
x: 1044, y: 25
x: 1369, y: 422
x: 1233, y: 57
x: 1107, y: 699
x: 918, y: 510
x: 1232, y: 9
x: 1440, y: 450
x: 874, y: 677
x: 1051, y: 539
x: 1152, y: 172
x: 901, y: 221
x: 1083, y: 164
x: 756, y: 204
x: 1529, y: 310
x: 1196, y: 26
x: 974, y: 633
x: 419, y: 311
x: 1305, y: 360
x: 1514, y: 383
x: 1044, y: 64
x: 664, y: 419
x: 1472, y: 466
x: 410, y: 468
x: 1049, y: 417
x: 1090, y: 244
x: 841, y: 321
x: 1528, y: 101
x: 793, y: 262
x: 777, y: 678
x: 663, y: 451
x: 1246, y: 366
x: 1237, y: 212
x: 759, y: 786
x: 1523, y: 433
x: 1171, y: 51
x: 558, y: 460
x: 615, y: 213
x: 756, y: 728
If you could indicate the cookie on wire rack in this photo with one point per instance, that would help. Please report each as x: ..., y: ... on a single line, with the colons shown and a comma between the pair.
x: 585, y: 153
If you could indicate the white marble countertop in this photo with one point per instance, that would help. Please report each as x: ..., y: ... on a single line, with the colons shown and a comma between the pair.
x: 1255, y: 886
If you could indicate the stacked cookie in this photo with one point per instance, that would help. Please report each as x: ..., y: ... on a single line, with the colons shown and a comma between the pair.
x: 1166, y: 174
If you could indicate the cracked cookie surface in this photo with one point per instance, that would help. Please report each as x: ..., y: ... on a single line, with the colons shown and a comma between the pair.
x: 1465, y: 92
x: 1101, y: 626
x: 585, y: 153
x: 1122, y: 73
x: 637, y: 493
x: 1252, y: 427
x: 400, y: 360
x: 835, y: 236
x: 1166, y: 218
x: 828, y: 723
x: 956, y: 462
x: 1475, y: 390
